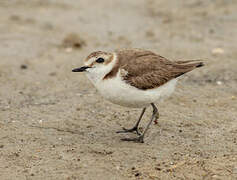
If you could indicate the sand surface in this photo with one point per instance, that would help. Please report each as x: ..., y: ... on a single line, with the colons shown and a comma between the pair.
x: 55, y: 125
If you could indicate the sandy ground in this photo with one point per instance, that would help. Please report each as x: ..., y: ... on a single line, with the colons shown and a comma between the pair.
x: 55, y: 125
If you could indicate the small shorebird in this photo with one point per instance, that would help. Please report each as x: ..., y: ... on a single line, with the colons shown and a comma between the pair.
x: 135, y: 78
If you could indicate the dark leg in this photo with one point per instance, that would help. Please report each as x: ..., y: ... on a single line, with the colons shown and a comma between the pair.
x: 140, y: 139
x: 135, y: 128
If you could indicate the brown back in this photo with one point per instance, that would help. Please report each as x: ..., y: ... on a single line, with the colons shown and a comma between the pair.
x: 147, y: 70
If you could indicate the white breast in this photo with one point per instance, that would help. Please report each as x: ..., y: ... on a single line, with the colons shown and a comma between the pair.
x: 119, y: 92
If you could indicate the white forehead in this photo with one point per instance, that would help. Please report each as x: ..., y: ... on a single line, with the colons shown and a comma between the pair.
x: 90, y: 61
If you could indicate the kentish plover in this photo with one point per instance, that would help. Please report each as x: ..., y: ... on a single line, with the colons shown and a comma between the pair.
x: 135, y: 78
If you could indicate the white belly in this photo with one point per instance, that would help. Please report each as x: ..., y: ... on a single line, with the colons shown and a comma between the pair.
x: 119, y: 92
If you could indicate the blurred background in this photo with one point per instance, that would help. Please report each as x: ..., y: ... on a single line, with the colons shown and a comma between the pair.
x: 54, y: 124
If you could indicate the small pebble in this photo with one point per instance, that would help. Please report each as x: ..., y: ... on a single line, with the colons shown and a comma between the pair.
x: 15, y: 18
x: 23, y: 66
x: 73, y: 41
x: 217, y: 51
x: 216, y: 176
x: 16, y: 154
x: 137, y: 174
x: 53, y: 74
x: 219, y: 82
x: 68, y: 50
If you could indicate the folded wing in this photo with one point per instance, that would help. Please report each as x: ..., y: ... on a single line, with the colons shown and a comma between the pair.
x: 147, y: 70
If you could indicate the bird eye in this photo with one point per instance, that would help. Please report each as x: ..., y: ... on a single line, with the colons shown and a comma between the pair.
x: 100, y: 60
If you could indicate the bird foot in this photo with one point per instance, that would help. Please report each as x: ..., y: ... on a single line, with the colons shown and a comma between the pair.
x: 129, y: 130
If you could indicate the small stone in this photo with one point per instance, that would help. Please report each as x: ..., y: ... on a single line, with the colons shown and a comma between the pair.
x: 53, y: 74
x: 150, y: 34
x: 137, y: 174
x: 23, y: 66
x: 68, y: 50
x: 1, y: 146
x: 15, y: 18
x: 216, y: 176
x: 217, y: 51
x: 73, y: 40
x: 16, y: 154
x: 219, y: 82
x: 158, y: 168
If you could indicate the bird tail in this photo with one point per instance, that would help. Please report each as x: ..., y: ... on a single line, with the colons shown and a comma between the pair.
x: 183, y: 67
x: 191, y: 63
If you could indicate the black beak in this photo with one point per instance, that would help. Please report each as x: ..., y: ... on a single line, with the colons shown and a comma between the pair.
x: 81, y: 69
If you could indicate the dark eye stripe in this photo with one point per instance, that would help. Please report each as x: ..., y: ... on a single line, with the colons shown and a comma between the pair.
x: 100, y: 60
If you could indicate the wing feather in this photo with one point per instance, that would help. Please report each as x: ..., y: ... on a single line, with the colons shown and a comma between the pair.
x: 147, y: 70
